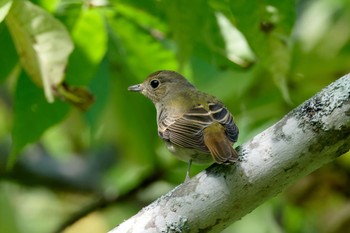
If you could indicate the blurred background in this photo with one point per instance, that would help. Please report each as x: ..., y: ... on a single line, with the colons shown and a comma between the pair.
x: 87, y: 171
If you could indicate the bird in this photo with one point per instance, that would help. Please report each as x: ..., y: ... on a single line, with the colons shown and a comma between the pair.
x: 195, y: 126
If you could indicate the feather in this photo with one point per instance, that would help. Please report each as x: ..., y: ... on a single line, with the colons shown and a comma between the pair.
x: 218, y: 144
x: 188, y: 130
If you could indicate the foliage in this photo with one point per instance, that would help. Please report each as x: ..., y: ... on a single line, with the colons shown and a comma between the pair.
x: 261, y: 58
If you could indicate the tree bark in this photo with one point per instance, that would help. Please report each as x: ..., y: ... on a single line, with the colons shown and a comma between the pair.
x: 313, y: 134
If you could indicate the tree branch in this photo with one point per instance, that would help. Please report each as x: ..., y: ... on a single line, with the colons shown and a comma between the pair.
x: 315, y: 133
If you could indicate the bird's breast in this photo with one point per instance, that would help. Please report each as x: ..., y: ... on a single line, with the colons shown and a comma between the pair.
x: 186, y: 154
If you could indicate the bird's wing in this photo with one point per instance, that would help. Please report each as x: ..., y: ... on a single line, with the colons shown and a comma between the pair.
x: 224, y: 117
x: 187, y: 130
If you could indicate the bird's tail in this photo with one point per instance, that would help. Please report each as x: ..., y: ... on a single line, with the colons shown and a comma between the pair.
x: 219, y: 145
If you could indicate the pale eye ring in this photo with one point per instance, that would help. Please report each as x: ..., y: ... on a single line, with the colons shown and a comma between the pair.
x: 154, y: 83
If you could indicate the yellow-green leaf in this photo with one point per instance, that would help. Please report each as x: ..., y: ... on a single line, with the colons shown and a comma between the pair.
x: 5, y: 6
x: 42, y: 42
x: 90, y: 37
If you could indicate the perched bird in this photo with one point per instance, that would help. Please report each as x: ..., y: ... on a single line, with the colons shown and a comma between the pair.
x: 194, y: 125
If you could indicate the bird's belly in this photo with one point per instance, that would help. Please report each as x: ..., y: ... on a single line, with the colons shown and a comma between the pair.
x: 186, y: 154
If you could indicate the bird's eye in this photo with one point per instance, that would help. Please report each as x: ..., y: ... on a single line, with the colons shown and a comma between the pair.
x: 154, y: 83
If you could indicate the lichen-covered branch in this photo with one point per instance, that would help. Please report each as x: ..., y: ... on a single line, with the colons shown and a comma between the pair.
x: 315, y: 133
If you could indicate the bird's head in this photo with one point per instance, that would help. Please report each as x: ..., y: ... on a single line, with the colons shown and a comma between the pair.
x: 162, y: 84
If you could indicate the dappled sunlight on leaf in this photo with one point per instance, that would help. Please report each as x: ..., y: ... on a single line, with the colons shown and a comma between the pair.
x: 237, y: 48
x: 5, y: 6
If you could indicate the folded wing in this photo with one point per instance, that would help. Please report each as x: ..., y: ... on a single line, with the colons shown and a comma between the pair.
x: 208, y: 128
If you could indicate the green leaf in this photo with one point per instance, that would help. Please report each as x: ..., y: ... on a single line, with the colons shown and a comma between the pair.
x: 42, y: 43
x: 142, y: 49
x: 68, y: 12
x: 267, y: 25
x: 90, y: 37
x: 191, y: 23
x: 50, y: 6
x: 237, y: 48
x: 8, y: 62
x: 5, y: 6
x: 101, y: 87
x: 32, y: 114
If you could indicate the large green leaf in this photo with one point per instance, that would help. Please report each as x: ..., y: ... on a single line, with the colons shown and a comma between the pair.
x: 261, y: 21
x: 68, y: 12
x: 90, y: 37
x: 267, y: 25
x: 8, y: 62
x: 191, y: 23
x: 100, y: 85
x: 32, y: 114
x: 142, y: 49
x: 42, y: 42
x: 237, y: 48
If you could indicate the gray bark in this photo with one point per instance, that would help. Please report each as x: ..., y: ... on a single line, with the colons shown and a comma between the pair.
x: 313, y: 134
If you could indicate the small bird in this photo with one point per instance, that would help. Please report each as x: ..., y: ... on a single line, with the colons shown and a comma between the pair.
x: 195, y: 126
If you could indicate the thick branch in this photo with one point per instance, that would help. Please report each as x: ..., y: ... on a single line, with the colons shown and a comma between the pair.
x: 315, y: 133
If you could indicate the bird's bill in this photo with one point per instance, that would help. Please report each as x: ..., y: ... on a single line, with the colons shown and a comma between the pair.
x: 136, y: 88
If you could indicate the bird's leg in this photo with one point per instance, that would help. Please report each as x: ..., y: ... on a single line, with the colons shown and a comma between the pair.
x: 188, y: 170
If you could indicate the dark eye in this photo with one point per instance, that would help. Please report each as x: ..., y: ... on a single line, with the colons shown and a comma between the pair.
x: 154, y: 83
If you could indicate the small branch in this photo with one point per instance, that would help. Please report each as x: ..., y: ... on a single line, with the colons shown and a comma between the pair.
x: 315, y: 133
x: 103, y: 201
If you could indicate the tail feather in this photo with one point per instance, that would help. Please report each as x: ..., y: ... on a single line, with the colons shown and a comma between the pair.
x: 218, y: 144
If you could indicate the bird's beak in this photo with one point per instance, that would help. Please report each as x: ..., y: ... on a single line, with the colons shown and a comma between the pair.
x: 136, y: 88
